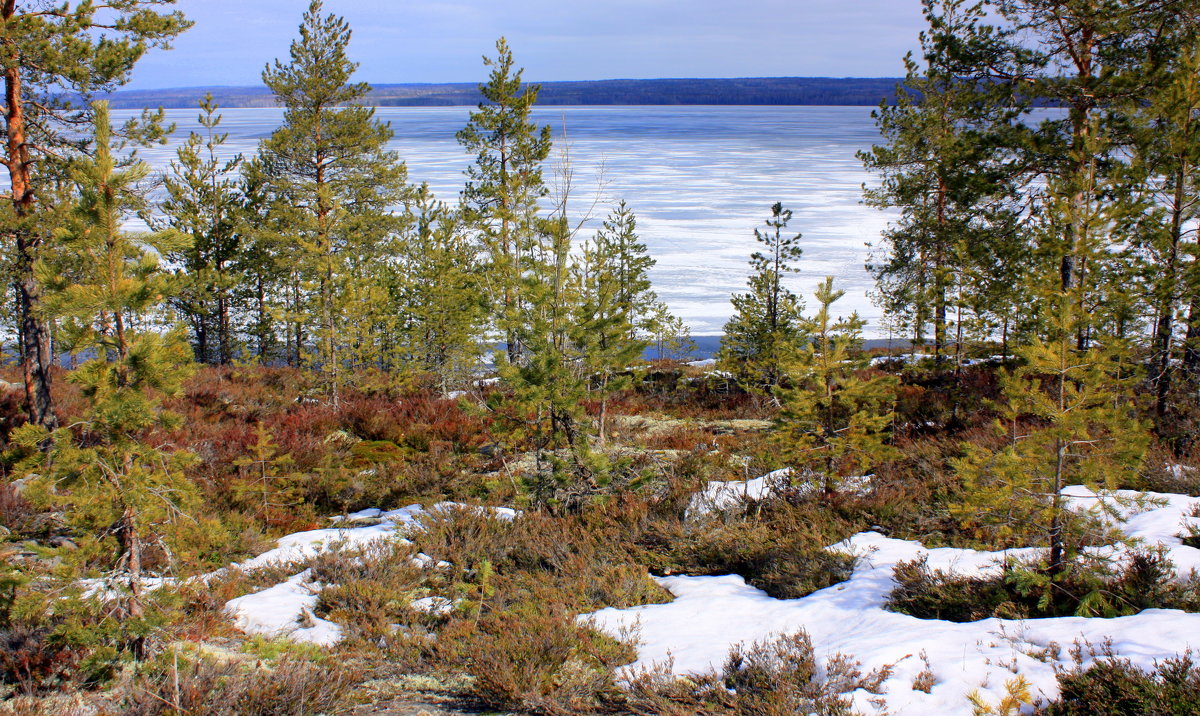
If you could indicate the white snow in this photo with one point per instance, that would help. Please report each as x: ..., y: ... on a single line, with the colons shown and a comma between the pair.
x: 901, y: 358
x: 718, y: 495
x: 711, y: 614
x: 285, y: 610
x: 306, y: 545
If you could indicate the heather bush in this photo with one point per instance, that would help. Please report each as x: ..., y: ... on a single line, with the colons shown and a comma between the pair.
x: 1115, y: 687
x: 33, y: 661
x: 208, y: 687
x: 776, y: 545
x: 775, y: 677
x: 1023, y: 590
x: 543, y: 664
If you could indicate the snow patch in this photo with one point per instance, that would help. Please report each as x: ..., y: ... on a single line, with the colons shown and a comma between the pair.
x: 717, y: 495
x: 712, y: 614
x: 286, y: 609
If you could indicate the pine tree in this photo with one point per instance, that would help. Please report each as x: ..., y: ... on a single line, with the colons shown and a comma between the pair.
x: 1089, y: 58
x: 267, y: 485
x: 547, y: 389
x: 436, y: 291
x: 1166, y: 168
x: 332, y: 181
x: 672, y: 337
x: 204, y: 201
x: 266, y: 262
x: 765, y: 328
x: 1070, y: 419
x: 627, y: 259
x: 946, y: 168
x: 504, y: 185
x: 49, y: 55
x: 836, y: 416
x: 111, y: 480
x: 615, y: 305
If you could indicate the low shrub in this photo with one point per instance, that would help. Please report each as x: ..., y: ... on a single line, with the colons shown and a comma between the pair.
x: 777, y: 677
x: 33, y: 661
x: 207, y: 687
x: 545, y: 665
x: 17, y: 515
x: 1115, y: 687
x: 777, y: 546
x: 1025, y: 591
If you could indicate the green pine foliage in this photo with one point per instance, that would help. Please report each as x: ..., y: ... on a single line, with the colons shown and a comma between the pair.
x: 672, y: 339
x: 1070, y: 419
x: 331, y: 183
x: 616, y: 306
x: 765, y: 329
x: 546, y: 390
x: 837, y: 414
x: 946, y: 166
x: 268, y: 483
x: 204, y: 201
x: 500, y: 200
x: 121, y: 489
x: 55, y: 51
x: 1166, y: 167
x: 437, y: 296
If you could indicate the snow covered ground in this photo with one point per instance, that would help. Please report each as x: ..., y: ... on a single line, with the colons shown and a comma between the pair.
x: 711, y: 614
x: 286, y: 609
x: 718, y: 495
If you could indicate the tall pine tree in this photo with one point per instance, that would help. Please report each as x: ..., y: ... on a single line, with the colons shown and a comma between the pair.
x: 332, y: 182
x: 49, y: 55
x: 945, y: 167
x: 204, y: 201
x: 504, y: 185
x: 765, y: 328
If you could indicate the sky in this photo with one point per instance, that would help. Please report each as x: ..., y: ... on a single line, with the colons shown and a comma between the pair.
x: 400, y: 41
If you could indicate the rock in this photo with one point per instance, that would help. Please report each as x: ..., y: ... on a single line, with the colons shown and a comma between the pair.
x: 64, y: 543
x: 18, y: 486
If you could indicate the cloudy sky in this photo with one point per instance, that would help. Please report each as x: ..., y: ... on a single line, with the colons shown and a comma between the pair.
x: 443, y: 40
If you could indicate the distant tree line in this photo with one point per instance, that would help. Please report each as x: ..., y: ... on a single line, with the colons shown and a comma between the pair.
x: 847, y: 91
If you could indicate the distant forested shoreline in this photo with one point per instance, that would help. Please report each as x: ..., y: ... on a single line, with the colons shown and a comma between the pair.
x: 843, y: 91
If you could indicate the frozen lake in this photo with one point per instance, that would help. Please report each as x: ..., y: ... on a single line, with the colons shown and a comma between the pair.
x: 699, y: 178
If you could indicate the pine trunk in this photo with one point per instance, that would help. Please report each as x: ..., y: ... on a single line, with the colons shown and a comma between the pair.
x: 35, y: 343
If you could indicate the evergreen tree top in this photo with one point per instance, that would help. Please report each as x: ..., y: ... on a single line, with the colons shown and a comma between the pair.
x: 318, y: 75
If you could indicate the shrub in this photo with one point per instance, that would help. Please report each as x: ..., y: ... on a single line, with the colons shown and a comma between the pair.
x: 1165, y: 472
x: 1115, y: 687
x: 1023, y: 590
x: 371, y: 594
x: 777, y: 546
x: 777, y: 677
x: 17, y: 514
x: 206, y: 687
x: 33, y: 661
x: 545, y: 665
x: 781, y: 677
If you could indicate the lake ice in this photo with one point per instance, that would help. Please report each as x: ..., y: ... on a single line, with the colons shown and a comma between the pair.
x: 699, y: 178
